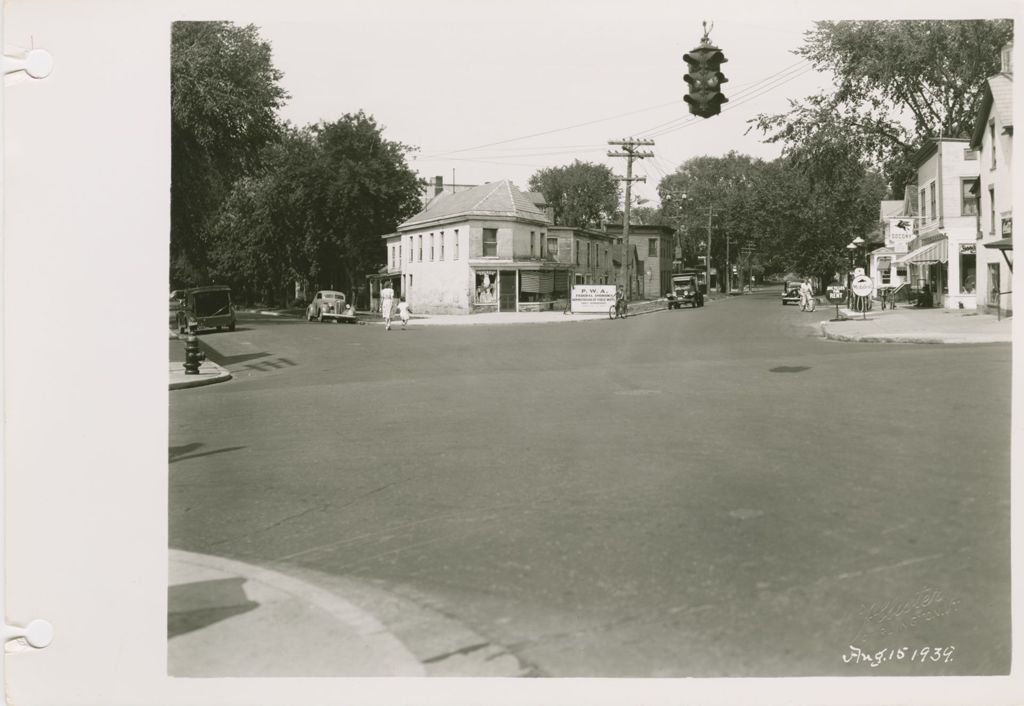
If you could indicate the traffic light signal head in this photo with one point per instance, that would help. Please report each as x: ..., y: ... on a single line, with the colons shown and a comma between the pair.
x: 704, y: 79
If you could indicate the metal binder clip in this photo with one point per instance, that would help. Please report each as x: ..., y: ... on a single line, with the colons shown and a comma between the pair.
x: 37, y: 63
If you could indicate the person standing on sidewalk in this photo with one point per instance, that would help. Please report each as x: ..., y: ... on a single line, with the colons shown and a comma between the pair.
x: 403, y: 312
x: 387, y: 300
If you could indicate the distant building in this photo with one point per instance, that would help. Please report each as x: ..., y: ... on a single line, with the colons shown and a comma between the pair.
x: 491, y: 248
x: 654, y: 247
x: 993, y: 144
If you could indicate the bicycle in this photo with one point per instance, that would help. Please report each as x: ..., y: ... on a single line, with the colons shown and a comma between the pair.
x: 807, y: 302
x: 618, y: 310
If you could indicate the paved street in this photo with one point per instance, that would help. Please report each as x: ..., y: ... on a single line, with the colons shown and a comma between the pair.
x: 708, y: 492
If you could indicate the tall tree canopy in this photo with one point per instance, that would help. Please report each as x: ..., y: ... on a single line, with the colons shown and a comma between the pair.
x: 721, y: 185
x: 316, y: 210
x: 224, y: 98
x: 897, y: 83
x: 797, y: 212
x: 580, y: 194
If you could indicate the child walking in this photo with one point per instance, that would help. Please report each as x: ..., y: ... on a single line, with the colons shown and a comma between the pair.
x: 404, y: 311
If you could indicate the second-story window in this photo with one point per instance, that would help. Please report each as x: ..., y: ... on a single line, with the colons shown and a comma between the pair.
x: 923, y: 205
x: 652, y: 247
x: 577, y: 244
x: 431, y: 247
x: 968, y: 198
x: 490, y: 241
x: 992, y: 209
x: 553, y: 247
x: 533, y: 237
x: 456, y: 244
x: 931, y: 201
x: 440, y: 255
x: 420, y: 241
x: 992, y: 140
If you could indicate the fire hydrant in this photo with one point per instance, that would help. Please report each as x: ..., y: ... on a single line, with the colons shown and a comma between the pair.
x: 193, y: 356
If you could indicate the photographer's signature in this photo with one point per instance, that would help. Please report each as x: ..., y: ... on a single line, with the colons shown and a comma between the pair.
x: 905, y: 613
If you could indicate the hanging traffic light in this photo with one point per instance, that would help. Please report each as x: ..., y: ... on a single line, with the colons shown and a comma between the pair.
x: 705, y: 79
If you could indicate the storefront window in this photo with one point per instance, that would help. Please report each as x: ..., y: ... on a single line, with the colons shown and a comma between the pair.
x: 486, y: 287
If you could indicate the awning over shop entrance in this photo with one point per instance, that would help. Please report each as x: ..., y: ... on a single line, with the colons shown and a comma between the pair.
x: 933, y: 252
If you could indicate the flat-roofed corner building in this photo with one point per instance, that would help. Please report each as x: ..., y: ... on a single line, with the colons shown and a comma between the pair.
x: 489, y: 248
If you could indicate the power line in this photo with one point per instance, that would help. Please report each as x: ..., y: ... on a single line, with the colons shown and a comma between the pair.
x: 593, y: 122
x: 560, y: 129
x: 745, y: 97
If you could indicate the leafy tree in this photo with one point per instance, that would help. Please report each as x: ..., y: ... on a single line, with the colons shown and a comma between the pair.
x: 368, y: 190
x: 263, y: 236
x: 580, y: 194
x: 224, y: 98
x: 897, y: 83
x: 722, y: 185
x: 315, y: 211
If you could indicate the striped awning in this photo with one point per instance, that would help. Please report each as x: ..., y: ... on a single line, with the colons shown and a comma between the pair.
x: 933, y: 252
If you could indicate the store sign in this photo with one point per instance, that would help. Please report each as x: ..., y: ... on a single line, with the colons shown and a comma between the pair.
x: 1007, y: 227
x: 968, y: 248
x: 901, y: 230
x: 836, y: 292
x: 861, y: 286
x: 592, y: 298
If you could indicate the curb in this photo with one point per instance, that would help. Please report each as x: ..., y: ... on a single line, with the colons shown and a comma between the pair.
x: 209, y: 374
x: 366, y: 632
x: 952, y: 339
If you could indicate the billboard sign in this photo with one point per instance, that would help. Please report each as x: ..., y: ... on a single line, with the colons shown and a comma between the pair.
x: 592, y: 298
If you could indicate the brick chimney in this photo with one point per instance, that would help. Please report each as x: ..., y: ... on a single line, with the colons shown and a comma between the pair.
x: 438, y: 185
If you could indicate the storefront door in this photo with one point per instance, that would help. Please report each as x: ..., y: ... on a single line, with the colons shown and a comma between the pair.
x: 507, y: 290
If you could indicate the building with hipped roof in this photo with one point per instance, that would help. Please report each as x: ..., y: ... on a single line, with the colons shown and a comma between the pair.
x: 490, y: 248
x: 993, y: 142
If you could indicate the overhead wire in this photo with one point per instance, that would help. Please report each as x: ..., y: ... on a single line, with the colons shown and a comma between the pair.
x: 593, y: 122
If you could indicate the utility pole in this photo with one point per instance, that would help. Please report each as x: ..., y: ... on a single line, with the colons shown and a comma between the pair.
x: 707, y: 261
x: 629, y: 151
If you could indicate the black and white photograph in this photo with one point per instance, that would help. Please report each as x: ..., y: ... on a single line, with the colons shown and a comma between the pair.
x: 650, y: 343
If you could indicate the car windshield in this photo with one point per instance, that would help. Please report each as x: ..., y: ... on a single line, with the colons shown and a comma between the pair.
x: 211, y: 303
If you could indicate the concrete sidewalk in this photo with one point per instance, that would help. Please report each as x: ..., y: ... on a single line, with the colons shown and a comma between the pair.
x: 918, y: 326
x: 228, y: 618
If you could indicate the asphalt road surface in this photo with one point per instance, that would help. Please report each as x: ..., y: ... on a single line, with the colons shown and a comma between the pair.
x: 709, y: 492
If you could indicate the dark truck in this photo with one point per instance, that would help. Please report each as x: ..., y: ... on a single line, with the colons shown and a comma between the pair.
x: 685, y: 290
x: 206, y: 307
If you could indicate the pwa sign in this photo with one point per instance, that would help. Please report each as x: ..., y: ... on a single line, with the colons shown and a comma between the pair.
x: 592, y: 298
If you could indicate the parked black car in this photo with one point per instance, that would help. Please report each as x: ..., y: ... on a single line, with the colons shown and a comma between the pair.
x: 206, y: 307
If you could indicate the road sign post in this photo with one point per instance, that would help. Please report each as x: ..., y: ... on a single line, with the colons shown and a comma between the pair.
x: 861, y: 287
x: 836, y: 294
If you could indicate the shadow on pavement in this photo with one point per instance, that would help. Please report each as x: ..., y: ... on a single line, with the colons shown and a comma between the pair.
x: 182, y: 453
x: 191, y: 606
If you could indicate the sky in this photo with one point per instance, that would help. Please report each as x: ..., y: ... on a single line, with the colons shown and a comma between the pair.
x: 500, y: 90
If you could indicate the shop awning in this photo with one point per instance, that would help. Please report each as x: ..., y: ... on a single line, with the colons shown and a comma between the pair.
x: 1003, y: 244
x: 934, y: 252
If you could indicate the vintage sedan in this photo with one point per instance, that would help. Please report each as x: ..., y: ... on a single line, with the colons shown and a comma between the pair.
x: 206, y: 307
x: 791, y: 293
x: 329, y: 305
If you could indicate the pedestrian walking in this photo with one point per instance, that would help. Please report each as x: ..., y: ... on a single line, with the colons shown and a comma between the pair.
x: 403, y: 312
x: 387, y: 300
x: 806, y: 296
